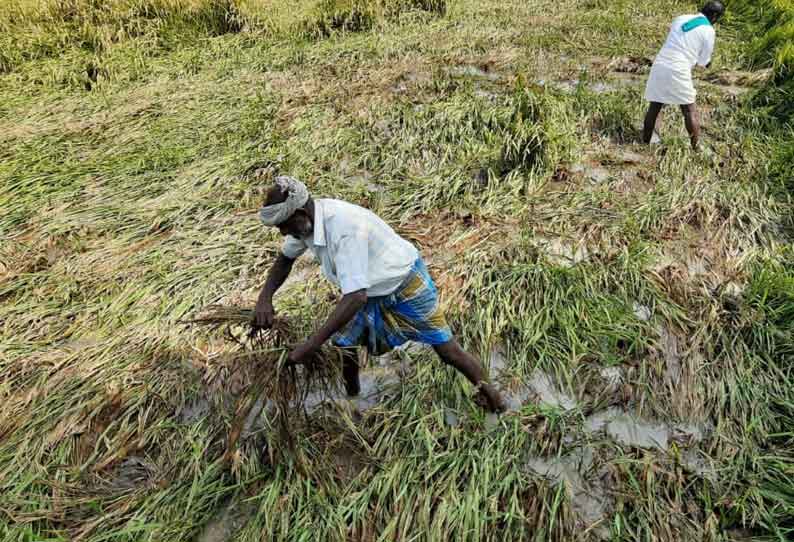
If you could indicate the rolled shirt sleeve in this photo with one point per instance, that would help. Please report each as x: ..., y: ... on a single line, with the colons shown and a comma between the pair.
x: 352, y: 261
x: 707, y: 49
x: 292, y: 247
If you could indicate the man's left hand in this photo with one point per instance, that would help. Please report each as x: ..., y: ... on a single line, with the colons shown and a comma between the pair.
x: 302, y: 351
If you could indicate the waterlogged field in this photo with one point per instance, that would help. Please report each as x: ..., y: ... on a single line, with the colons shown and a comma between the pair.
x: 635, y: 304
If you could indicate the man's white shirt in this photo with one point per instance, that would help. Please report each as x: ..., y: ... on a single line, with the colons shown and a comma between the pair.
x: 356, y: 249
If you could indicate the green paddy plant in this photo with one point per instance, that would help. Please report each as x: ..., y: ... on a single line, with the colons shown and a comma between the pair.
x: 594, y: 278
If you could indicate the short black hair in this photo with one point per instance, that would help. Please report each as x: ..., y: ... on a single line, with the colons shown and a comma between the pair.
x: 713, y: 10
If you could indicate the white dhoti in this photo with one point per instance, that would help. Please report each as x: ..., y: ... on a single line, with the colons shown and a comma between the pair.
x: 670, y: 85
x: 687, y: 45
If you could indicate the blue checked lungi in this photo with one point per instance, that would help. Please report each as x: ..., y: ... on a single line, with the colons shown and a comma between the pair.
x: 410, y: 313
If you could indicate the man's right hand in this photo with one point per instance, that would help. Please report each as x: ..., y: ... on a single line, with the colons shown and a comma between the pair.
x: 264, y: 314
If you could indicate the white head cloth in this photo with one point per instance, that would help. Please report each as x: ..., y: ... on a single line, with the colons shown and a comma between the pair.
x: 297, y: 196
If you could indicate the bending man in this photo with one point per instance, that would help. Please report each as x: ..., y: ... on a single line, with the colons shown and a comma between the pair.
x: 689, y: 43
x: 388, y: 297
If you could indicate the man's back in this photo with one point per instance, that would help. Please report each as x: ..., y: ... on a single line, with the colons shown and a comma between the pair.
x: 355, y: 248
x: 684, y: 48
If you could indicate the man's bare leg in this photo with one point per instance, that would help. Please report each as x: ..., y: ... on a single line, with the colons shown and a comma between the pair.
x: 452, y: 354
x: 651, y: 121
x: 692, y: 123
x: 350, y: 371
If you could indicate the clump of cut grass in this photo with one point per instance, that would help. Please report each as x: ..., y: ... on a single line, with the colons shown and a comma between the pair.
x: 270, y: 375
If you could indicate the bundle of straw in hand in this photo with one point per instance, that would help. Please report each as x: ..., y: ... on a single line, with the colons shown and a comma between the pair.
x: 262, y: 355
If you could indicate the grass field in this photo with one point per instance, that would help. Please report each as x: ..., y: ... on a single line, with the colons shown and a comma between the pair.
x: 636, y: 304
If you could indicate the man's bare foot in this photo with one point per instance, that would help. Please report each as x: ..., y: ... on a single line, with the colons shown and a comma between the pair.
x: 488, y: 398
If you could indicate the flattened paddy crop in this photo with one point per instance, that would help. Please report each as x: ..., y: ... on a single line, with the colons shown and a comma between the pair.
x: 634, y: 304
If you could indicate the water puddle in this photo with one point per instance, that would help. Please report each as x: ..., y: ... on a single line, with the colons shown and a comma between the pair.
x: 194, y: 411
x: 516, y: 399
x: 497, y: 363
x: 602, y: 87
x: 740, y: 78
x: 485, y: 94
x: 561, y: 253
x: 631, y: 430
x: 642, y: 312
x: 375, y: 386
x: 412, y: 348
x: 451, y: 418
x: 544, y: 388
x: 347, y: 462
x: 226, y: 523
x: 627, y: 157
x: 364, y: 181
x: 132, y: 473
x: 627, y: 429
x: 589, y: 501
x: 696, y: 266
x: 612, y: 375
x: 316, y: 400
x: 255, y: 421
x: 695, y: 462
x: 569, y: 86
x: 491, y: 420
x: 376, y: 383
x: 594, y: 173
x: 639, y: 433
x: 410, y: 78
x: 516, y: 396
x: 630, y: 64
x: 470, y: 70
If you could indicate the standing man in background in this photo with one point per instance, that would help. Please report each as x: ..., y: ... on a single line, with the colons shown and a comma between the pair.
x: 689, y: 43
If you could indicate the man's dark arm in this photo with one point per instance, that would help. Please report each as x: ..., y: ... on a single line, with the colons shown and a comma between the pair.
x: 345, y: 310
x: 264, y: 313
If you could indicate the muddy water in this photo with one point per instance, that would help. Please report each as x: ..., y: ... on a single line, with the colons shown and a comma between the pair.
x: 560, y: 252
x: 544, y: 388
x: 451, y: 418
x: 194, y: 411
x: 132, y: 473
x: 641, y: 312
x: 596, y: 87
x: 223, y: 526
x: 594, y: 173
x: 696, y: 463
x: 632, y: 430
x: 589, y: 499
x: 628, y: 429
x: 255, y: 421
x: 539, y: 384
x: 612, y: 375
x: 376, y: 384
x: 643, y: 434
x: 472, y: 71
x: 514, y: 397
